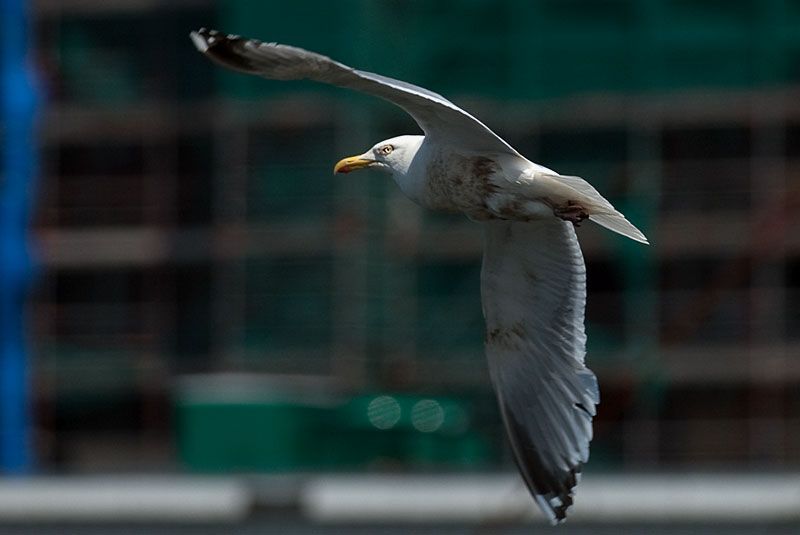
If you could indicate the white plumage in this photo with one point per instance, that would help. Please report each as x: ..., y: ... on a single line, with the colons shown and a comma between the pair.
x: 533, y: 282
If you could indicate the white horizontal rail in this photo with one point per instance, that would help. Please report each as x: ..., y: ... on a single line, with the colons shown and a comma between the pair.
x: 641, y: 498
x: 465, y: 499
x: 123, y: 499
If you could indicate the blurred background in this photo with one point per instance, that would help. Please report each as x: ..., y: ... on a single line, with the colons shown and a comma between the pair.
x: 204, y: 298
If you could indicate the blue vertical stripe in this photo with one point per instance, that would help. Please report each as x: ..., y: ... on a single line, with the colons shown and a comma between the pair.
x: 18, y: 102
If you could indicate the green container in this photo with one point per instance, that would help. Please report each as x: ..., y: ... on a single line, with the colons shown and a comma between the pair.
x: 265, y: 423
x: 249, y: 423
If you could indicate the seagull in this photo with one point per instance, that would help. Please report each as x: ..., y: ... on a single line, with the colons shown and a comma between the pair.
x: 533, y: 278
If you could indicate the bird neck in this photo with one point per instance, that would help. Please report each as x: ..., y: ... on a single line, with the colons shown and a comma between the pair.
x: 411, y: 175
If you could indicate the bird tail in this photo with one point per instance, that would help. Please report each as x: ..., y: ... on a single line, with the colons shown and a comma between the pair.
x: 620, y: 225
x: 600, y: 210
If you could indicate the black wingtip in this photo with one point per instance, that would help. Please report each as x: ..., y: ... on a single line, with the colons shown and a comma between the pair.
x: 552, y: 491
x: 224, y: 49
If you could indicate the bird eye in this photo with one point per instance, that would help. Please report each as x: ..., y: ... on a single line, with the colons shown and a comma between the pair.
x: 386, y: 149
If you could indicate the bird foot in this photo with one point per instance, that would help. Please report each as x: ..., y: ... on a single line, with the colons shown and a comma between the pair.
x: 571, y: 211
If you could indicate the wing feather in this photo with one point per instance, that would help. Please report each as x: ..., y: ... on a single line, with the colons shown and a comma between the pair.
x: 438, y: 117
x: 533, y: 286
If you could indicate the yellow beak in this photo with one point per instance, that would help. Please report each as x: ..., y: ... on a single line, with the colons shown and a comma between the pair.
x: 351, y: 164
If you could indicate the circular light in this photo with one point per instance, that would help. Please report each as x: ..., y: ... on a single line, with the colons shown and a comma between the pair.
x: 383, y: 412
x: 427, y: 415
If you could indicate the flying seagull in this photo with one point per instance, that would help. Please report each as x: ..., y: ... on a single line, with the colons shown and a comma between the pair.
x: 533, y: 279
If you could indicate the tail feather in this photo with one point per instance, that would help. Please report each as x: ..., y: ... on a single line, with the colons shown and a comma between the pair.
x: 600, y: 210
x: 619, y: 224
x: 588, y: 192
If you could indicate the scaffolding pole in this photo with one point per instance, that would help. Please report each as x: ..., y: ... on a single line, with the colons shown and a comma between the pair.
x: 18, y: 104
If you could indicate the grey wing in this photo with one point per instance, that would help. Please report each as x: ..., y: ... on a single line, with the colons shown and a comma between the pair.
x: 437, y: 116
x: 533, y: 286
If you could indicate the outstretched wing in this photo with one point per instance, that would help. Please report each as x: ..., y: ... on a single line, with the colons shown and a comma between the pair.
x: 533, y: 286
x: 438, y: 117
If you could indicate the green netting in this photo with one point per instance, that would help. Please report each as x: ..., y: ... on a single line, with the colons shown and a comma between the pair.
x: 288, y: 305
x: 449, y: 314
x: 290, y: 178
x: 541, y: 48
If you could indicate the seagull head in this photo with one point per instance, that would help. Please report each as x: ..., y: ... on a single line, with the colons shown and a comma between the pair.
x: 391, y: 155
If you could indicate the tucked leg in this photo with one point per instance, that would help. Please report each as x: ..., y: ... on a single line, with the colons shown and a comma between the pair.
x: 571, y: 211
